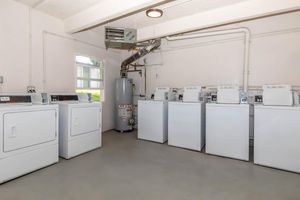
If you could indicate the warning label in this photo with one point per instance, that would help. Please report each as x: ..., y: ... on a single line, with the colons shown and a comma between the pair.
x: 125, y: 111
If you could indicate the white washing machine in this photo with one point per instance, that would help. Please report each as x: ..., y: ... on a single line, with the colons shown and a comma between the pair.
x: 29, y: 136
x: 79, y: 124
x: 186, y: 120
x: 153, y: 120
x: 153, y: 116
x: 277, y: 137
x: 228, y: 125
x: 277, y: 130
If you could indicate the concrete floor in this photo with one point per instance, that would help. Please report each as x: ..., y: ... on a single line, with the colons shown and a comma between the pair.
x: 130, y: 169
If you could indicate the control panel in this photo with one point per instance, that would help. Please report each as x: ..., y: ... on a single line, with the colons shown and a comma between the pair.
x: 229, y: 94
x: 192, y: 94
x: 55, y: 98
x: 164, y: 94
x: 280, y: 95
x: 15, y: 99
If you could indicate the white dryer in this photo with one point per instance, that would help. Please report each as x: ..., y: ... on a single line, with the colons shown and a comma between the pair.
x: 277, y: 129
x: 79, y: 124
x: 28, y: 136
x: 228, y: 125
x: 186, y: 120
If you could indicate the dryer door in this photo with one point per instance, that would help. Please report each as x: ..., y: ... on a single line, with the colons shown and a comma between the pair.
x: 85, y: 120
x: 28, y: 128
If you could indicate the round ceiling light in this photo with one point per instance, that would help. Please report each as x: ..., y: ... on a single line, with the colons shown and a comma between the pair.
x: 154, y: 13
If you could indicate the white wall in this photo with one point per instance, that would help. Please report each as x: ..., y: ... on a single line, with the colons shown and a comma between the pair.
x: 274, y: 56
x: 51, y: 68
x: 211, y: 61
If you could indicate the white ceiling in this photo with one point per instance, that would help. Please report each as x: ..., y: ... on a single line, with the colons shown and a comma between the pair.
x: 179, y: 8
x: 61, y: 9
x: 173, y: 10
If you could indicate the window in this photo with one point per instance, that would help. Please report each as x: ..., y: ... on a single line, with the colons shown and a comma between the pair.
x: 90, y: 77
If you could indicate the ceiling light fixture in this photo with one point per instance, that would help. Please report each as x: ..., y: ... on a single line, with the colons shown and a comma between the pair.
x: 154, y: 13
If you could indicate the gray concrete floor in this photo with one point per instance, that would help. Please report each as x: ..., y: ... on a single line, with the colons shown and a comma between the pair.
x: 129, y: 169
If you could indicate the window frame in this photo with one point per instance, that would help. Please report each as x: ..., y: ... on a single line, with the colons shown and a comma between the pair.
x: 101, y: 79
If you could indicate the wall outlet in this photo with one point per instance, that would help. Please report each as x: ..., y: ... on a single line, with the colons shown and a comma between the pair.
x: 31, y: 89
x: 1, y: 79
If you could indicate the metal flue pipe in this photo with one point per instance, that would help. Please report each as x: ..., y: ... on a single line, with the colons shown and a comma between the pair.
x: 143, y: 52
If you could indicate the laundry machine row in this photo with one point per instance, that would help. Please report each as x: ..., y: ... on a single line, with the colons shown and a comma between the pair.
x: 227, y: 123
x: 32, y: 129
x: 181, y: 123
x: 190, y: 122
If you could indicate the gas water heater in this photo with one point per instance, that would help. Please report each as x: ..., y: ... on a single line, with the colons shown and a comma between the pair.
x: 124, y: 105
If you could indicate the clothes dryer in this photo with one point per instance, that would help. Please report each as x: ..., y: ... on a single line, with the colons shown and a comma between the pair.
x: 28, y: 136
x: 79, y: 124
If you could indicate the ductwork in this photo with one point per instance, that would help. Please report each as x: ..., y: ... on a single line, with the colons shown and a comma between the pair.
x: 153, y: 44
x: 120, y: 38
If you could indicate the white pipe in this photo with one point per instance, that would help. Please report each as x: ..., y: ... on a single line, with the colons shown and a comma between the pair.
x: 247, y: 36
x: 39, y: 3
x: 29, y: 47
x: 44, y: 62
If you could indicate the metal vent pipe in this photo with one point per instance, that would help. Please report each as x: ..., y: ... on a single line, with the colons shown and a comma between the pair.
x: 143, y: 52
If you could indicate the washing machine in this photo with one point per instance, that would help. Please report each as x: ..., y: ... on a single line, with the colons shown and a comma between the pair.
x: 79, y: 124
x: 29, y: 136
x: 186, y: 120
x: 277, y: 129
x: 228, y: 124
x: 153, y: 116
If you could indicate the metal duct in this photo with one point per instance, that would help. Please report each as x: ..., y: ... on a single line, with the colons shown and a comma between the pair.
x: 120, y: 38
x: 154, y: 44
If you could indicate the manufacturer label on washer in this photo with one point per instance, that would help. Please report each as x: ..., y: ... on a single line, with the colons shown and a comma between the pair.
x: 4, y: 99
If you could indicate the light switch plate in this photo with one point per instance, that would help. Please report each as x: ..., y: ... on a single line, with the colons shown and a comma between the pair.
x: 1, y: 79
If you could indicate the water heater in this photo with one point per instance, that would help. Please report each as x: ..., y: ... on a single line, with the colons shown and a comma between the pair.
x: 124, y: 105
